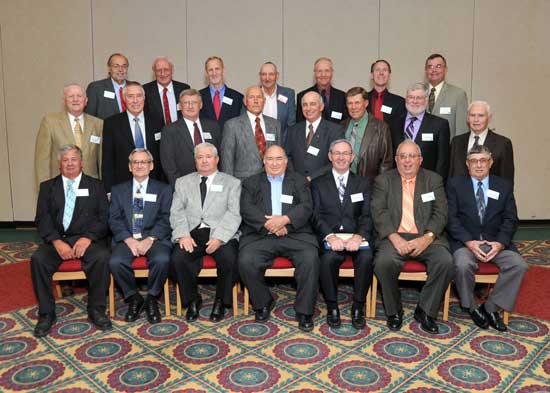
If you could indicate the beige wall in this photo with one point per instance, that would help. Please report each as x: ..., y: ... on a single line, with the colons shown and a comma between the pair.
x: 497, y: 50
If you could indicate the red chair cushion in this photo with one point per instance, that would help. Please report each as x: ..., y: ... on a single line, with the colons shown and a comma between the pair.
x: 348, y: 263
x: 281, y: 263
x: 208, y: 262
x: 70, y: 265
x: 488, y: 268
x: 139, y: 263
x: 412, y: 266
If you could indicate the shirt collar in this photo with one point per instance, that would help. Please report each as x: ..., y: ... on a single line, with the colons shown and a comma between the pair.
x: 144, y: 184
x: 170, y: 87
x: 213, y: 89
x: 315, y: 124
x: 76, y: 180
x: 252, y: 117
x: 116, y: 85
x: 337, y: 175
x: 140, y: 117
x: 276, y: 179
x: 267, y: 95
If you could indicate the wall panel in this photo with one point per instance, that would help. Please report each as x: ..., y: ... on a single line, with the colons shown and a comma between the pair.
x: 6, y: 207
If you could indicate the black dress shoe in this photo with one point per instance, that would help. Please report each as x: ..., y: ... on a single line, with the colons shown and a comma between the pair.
x: 479, y: 318
x: 494, y: 319
x: 135, y: 305
x: 218, y: 310
x: 427, y: 323
x: 263, y: 314
x: 358, y: 317
x: 395, y: 321
x: 152, y: 309
x: 333, y: 317
x: 44, y: 324
x: 193, y: 309
x: 100, y: 320
x: 305, y: 322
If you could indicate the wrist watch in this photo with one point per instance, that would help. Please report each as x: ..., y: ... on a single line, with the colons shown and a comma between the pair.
x: 152, y: 238
x: 430, y: 234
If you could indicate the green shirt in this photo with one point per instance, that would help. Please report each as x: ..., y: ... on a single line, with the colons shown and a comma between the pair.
x: 360, y: 127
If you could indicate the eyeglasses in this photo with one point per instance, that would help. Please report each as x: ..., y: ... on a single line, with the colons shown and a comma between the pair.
x: 416, y: 98
x: 140, y: 162
x: 404, y: 156
x: 435, y: 66
x: 341, y: 153
x: 190, y: 103
x: 119, y: 66
x: 481, y: 161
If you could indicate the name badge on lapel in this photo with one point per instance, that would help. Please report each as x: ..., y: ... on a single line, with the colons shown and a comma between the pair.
x: 83, y: 192
x: 386, y: 109
x: 336, y: 115
x: 493, y: 194
x: 427, y: 137
x: 157, y: 136
x: 282, y: 98
x: 270, y: 137
x: 313, y: 151
x: 429, y: 196
x: 109, y: 94
x: 445, y: 110
x: 216, y: 187
x: 207, y: 135
x: 150, y: 197
x: 95, y: 139
x: 287, y: 199
x: 357, y: 197
x: 227, y: 100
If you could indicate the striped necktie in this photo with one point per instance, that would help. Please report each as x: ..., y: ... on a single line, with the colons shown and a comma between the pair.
x: 341, y: 188
x: 70, y: 201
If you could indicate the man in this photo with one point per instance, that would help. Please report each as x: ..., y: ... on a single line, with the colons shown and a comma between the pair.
x: 370, y: 137
x: 429, y: 132
x: 71, y: 219
x: 341, y: 204
x: 105, y: 96
x: 71, y: 126
x: 139, y: 218
x: 383, y: 104
x: 334, y: 100
x: 482, y: 221
x: 220, y: 102
x: 309, y: 140
x: 246, y: 138
x: 276, y: 208
x: 409, y: 211
x: 180, y: 138
x: 205, y: 220
x: 479, y: 117
x: 280, y: 101
x: 445, y: 100
x: 162, y: 94
x: 125, y: 132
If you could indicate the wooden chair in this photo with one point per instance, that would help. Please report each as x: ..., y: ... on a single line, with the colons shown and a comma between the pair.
x: 488, y: 274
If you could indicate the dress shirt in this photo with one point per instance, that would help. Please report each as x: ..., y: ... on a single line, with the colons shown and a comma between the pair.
x: 327, y: 93
x: 73, y: 122
x: 252, y: 119
x: 276, y: 193
x: 270, y: 106
x: 75, y: 185
x: 315, y: 124
x: 437, y: 90
x: 482, y: 137
x: 360, y: 130
x: 172, y: 102
x: 191, y: 128
x: 143, y: 190
x: 485, y: 187
x: 336, y: 175
x: 213, y: 93
x: 117, y: 87
x: 412, y: 186
x: 141, y: 120
x: 417, y: 123
x: 209, y: 181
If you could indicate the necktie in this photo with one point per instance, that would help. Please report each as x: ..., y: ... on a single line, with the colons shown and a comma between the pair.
x: 217, y: 104
x: 431, y: 100
x: 476, y: 141
x: 137, y: 213
x: 341, y: 188
x: 325, y: 103
x: 77, y: 132
x: 70, y: 200
x: 377, y: 109
x: 197, y: 138
x: 310, y: 135
x: 139, y: 143
x: 122, y: 103
x: 260, y: 139
x: 407, y: 219
x: 409, y: 131
x: 480, y: 201
x: 203, y: 189
x: 353, y: 135
x: 166, y: 106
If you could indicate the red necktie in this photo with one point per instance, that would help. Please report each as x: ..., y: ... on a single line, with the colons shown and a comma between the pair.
x: 167, y: 117
x: 197, y: 139
x: 217, y: 104
x: 122, y: 103
x: 377, y: 109
x: 310, y: 134
x: 260, y: 139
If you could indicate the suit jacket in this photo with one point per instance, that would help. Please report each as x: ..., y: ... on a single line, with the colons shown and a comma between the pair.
x: 329, y: 215
x: 337, y: 105
x: 387, y: 204
x: 256, y: 204
x: 501, y: 150
x: 500, y: 220
x: 452, y: 104
x: 118, y: 143
x: 435, y: 153
x: 308, y: 164
x: 395, y: 103
x: 99, y: 105
x: 227, y: 111
x: 55, y: 131
x: 220, y: 211
x: 286, y: 111
x: 153, y: 100
x: 239, y: 153
x: 177, y: 147
x: 89, y: 217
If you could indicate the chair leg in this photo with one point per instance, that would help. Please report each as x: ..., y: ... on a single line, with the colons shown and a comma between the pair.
x: 246, y: 301
x: 368, y: 302
x: 374, y: 288
x: 506, y: 317
x: 111, y: 296
x: 178, y: 300
x: 446, y: 302
x: 167, y: 298
x: 58, y: 292
x: 235, y: 292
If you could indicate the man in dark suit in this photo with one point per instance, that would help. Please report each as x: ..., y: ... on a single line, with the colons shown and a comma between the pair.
x: 479, y: 117
x: 105, y: 95
x: 275, y: 208
x: 409, y: 211
x: 384, y: 105
x: 162, y: 94
x: 429, y: 132
x: 125, y: 132
x: 341, y: 205
x: 180, y: 138
x: 309, y: 140
x: 334, y: 100
x: 220, y: 103
x: 139, y: 218
x: 71, y: 218
x: 482, y: 221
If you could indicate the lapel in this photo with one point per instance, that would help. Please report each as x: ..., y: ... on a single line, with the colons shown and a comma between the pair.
x: 319, y: 132
x: 207, y: 105
x: 149, y: 132
x: 425, y: 125
x: 489, y: 141
x: 108, y: 85
x: 59, y: 199
x: 186, y: 136
x: 157, y: 102
x: 419, y: 189
x: 128, y: 132
x: 491, y: 203
x: 333, y: 190
x: 87, y: 132
x: 65, y: 126
x: 225, y: 107
x: 149, y: 207
x: 349, y: 190
x: 265, y: 192
x: 281, y: 108
x: 80, y: 202
x: 249, y: 136
x: 128, y: 202
x: 397, y: 195
x: 287, y: 190
x: 440, y: 97
x: 209, y: 196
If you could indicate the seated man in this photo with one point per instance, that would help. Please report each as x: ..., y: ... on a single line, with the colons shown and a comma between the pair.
x: 71, y: 218
x: 139, y: 219
x: 275, y: 208
x: 409, y: 211
x: 482, y: 221
x: 341, y: 204
x: 205, y: 220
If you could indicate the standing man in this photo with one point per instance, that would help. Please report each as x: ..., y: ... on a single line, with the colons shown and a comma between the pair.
x: 162, y: 94
x: 180, y: 138
x: 409, y: 211
x: 309, y: 140
x: 369, y: 136
x: 334, y: 100
x: 280, y: 101
x: 205, y: 220
x: 220, y: 103
x: 71, y: 218
x: 105, y: 95
x: 445, y: 100
x: 139, y: 218
x: 383, y: 104
x: 246, y: 138
x: 341, y: 205
x: 482, y: 222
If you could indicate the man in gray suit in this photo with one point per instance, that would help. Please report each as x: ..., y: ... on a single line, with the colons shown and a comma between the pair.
x: 280, y: 101
x: 246, y: 138
x: 445, y: 100
x: 205, y: 219
x: 409, y: 211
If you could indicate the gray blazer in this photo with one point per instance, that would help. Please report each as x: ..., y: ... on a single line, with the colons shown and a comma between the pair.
x: 99, y: 105
x: 239, y: 153
x: 286, y: 112
x: 455, y: 99
x: 221, y: 211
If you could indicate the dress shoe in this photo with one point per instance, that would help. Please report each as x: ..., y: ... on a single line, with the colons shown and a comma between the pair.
x: 193, y: 309
x: 494, y: 319
x: 479, y: 318
x: 395, y: 321
x: 218, y: 310
x: 135, y: 305
x: 263, y: 314
x: 333, y: 317
x: 152, y: 309
x: 358, y: 316
x: 305, y: 322
x: 44, y: 324
x: 100, y: 320
x: 427, y: 323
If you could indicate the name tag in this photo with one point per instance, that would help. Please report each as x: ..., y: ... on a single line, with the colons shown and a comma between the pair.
x: 136, y: 236
x: 150, y: 197
x: 336, y: 115
x: 313, y: 150
x: 227, y: 100
x: 427, y: 137
x: 445, y: 110
x: 287, y: 199
x: 157, y: 136
x: 386, y: 109
x: 282, y: 98
x: 430, y: 196
x: 83, y: 192
x: 95, y: 139
x: 493, y: 194
x: 216, y: 187
x: 207, y: 135
x: 270, y: 137
x: 109, y: 94
x: 357, y: 197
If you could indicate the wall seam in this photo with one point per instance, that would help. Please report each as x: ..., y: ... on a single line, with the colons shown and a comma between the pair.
x: 186, y: 40
x: 92, y: 35
x: 379, y: 28
x: 473, y: 50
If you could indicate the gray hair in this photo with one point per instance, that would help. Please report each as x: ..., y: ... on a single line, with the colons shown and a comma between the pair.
x: 67, y: 148
x: 68, y: 86
x: 418, y: 86
x: 204, y: 145
x: 162, y: 58
x: 337, y: 141
x: 485, y: 104
x: 314, y: 92
x: 479, y: 149
x: 128, y: 84
x: 190, y: 92
x: 408, y: 142
x: 140, y: 150
x: 269, y: 63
